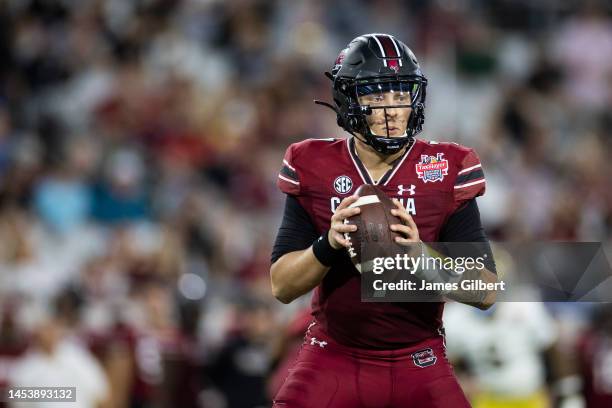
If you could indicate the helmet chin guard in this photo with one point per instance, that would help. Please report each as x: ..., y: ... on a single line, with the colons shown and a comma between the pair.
x: 388, y: 145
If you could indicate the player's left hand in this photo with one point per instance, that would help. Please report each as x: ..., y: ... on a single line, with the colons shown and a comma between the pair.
x: 407, y: 229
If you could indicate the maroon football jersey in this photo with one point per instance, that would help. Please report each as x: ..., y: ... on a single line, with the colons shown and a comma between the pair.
x: 430, y: 179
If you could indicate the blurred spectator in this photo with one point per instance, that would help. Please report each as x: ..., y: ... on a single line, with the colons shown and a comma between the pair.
x: 13, y: 342
x: 244, y: 358
x: 63, y: 198
x: 594, y: 352
x: 583, y: 48
x: 56, y: 361
x: 121, y: 195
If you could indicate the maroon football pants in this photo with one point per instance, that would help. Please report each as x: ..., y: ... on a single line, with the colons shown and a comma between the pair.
x: 328, y: 375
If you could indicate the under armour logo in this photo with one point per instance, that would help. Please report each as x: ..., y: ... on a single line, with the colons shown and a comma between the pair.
x: 314, y: 341
x: 401, y: 189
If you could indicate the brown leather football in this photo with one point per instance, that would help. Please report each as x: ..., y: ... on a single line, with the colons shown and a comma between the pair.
x: 373, y: 237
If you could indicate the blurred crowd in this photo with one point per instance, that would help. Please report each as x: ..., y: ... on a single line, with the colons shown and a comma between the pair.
x: 140, y: 142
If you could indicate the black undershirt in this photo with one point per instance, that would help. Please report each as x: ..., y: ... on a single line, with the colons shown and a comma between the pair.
x: 297, y: 232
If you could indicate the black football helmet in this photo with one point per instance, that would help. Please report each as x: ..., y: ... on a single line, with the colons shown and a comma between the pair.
x: 377, y: 63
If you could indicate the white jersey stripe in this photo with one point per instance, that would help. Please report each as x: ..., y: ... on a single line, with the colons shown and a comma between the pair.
x: 400, y: 163
x: 297, y: 183
x: 348, y: 146
x: 399, y: 56
x: 288, y: 165
x: 382, y: 50
x: 470, y: 184
x: 470, y: 168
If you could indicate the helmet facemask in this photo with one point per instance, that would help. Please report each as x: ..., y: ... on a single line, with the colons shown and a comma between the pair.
x: 378, y: 107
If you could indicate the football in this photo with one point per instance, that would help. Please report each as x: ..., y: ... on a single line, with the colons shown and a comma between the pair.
x: 373, y: 237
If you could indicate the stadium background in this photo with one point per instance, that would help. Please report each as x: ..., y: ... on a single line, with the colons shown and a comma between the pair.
x: 140, y: 142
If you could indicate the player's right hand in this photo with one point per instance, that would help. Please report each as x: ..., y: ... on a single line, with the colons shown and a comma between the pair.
x: 338, y: 227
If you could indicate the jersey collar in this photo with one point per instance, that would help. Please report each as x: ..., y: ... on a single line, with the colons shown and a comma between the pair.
x: 363, y: 171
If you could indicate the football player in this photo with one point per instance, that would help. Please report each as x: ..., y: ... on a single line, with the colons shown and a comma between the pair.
x: 503, y: 349
x: 594, y: 354
x: 359, y: 354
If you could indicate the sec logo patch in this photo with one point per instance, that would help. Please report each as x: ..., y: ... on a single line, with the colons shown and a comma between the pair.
x: 343, y: 184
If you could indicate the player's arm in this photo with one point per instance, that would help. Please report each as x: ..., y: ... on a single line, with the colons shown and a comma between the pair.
x: 463, y: 227
x: 300, y: 257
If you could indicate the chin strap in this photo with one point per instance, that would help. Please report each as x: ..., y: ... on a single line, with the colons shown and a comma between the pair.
x: 332, y: 107
x: 323, y: 103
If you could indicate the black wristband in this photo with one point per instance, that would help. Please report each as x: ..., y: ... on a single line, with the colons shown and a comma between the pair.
x: 324, y: 252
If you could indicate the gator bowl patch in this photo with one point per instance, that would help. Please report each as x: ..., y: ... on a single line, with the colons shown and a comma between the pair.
x: 432, y: 168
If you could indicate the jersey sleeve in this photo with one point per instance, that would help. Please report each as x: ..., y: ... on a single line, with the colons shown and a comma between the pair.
x: 470, y: 181
x: 288, y: 180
